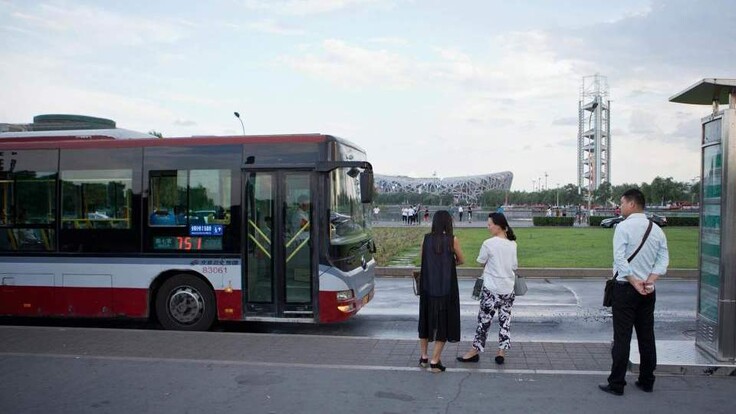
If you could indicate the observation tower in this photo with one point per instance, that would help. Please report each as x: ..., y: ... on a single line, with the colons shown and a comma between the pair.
x: 594, y: 134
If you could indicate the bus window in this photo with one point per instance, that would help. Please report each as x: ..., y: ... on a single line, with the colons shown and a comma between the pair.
x: 209, y: 196
x: 96, y: 199
x: 28, y: 199
x: 31, y: 200
x: 348, y: 231
x: 190, y: 210
x: 168, y: 198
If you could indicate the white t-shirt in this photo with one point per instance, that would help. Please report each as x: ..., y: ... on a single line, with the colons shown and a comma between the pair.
x: 499, y: 257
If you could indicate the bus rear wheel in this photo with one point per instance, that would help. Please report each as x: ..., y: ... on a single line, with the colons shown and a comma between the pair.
x: 185, y: 303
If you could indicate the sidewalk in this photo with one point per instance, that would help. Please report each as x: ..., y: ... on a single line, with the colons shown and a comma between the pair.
x: 310, y: 350
x: 293, y: 349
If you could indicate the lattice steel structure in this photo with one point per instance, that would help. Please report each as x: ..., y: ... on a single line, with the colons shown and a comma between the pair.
x: 594, y: 134
x: 464, y: 189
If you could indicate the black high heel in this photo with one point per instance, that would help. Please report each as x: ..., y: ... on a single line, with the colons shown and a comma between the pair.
x: 474, y: 358
x: 438, y: 367
x: 499, y: 359
x: 423, y: 362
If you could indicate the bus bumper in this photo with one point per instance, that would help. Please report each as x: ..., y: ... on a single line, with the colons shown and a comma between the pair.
x: 342, y: 295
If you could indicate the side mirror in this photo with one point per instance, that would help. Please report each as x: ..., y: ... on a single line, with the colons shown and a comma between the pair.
x: 366, y: 186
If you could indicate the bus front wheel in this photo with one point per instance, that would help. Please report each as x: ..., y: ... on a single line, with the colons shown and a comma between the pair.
x: 185, y: 303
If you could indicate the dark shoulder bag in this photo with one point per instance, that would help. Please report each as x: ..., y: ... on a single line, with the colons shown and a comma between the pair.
x: 608, y: 291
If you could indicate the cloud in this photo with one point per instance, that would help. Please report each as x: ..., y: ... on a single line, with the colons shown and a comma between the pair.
x: 308, y: 7
x: 570, y: 120
x: 270, y: 26
x: 354, y: 67
x: 664, y: 44
x: 93, y: 26
x: 184, y: 122
x: 643, y: 122
x: 392, y: 41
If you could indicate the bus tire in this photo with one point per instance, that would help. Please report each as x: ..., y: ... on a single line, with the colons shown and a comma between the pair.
x: 185, y: 303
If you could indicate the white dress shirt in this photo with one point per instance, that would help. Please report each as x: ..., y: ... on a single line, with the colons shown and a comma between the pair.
x: 653, y: 256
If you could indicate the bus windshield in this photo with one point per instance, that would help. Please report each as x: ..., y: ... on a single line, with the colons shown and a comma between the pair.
x: 347, y: 213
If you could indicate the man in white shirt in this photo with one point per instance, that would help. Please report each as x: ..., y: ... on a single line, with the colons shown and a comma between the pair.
x: 634, y: 293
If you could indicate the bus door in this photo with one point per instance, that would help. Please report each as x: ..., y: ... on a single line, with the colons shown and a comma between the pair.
x: 279, y: 273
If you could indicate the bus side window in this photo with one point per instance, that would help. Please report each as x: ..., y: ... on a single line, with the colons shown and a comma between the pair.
x: 168, y: 198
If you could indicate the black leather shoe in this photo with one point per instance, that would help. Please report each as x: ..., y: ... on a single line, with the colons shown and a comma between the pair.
x: 438, y: 367
x: 499, y: 359
x: 474, y: 358
x: 423, y: 362
x: 643, y: 387
x: 607, y: 388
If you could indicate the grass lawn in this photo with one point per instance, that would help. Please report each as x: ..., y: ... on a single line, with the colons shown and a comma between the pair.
x: 555, y: 246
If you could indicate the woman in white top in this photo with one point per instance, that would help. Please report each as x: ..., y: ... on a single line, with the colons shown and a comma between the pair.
x: 498, y: 254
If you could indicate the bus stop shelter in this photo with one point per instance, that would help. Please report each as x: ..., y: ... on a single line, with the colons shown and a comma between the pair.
x: 716, y: 309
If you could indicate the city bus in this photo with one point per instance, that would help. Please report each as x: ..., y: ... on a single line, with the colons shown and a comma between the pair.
x: 189, y: 231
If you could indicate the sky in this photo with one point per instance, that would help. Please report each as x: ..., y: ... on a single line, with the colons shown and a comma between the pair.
x: 426, y: 87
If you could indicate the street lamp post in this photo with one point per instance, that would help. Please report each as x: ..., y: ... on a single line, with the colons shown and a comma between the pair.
x: 558, y: 194
x: 237, y: 115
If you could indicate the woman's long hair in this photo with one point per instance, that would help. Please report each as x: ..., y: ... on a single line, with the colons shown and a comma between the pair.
x: 442, y: 230
x: 500, y: 220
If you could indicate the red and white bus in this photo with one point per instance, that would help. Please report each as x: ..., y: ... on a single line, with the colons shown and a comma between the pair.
x: 108, y: 224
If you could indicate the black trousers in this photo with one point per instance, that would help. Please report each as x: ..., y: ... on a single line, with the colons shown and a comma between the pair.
x: 630, y: 309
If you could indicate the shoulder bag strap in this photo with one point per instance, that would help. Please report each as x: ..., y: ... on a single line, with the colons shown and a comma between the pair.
x: 643, y: 240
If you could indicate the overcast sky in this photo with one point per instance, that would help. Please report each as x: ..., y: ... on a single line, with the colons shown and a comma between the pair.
x: 456, y: 87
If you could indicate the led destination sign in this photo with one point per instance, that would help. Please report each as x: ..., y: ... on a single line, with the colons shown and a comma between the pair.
x: 185, y: 243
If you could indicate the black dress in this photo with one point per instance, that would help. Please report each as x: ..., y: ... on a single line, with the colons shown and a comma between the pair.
x: 439, y: 300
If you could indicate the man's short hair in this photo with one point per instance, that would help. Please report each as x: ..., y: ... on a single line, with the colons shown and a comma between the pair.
x: 635, y: 195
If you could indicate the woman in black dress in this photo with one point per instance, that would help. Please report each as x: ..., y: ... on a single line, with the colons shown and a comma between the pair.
x: 439, y: 301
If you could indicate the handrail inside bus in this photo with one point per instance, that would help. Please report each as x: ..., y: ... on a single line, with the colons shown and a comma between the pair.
x: 298, y: 248
x: 255, y: 226
x: 260, y: 246
x: 301, y: 230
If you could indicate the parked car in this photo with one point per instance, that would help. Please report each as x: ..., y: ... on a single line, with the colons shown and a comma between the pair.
x: 610, y: 222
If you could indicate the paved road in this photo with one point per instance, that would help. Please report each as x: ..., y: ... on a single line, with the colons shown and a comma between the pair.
x: 552, y: 310
x: 90, y: 370
x: 365, y: 365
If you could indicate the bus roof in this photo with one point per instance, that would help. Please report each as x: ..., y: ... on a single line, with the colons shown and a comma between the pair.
x: 121, y: 138
x: 80, y: 134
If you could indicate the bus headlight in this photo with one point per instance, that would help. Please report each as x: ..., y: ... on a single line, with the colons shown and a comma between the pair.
x: 344, y: 295
x: 346, y: 308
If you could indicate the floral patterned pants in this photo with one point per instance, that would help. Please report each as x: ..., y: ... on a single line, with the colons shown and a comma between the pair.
x: 489, y: 303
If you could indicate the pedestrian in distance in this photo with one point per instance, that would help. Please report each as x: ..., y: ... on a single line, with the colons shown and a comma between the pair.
x: 470, y: 213
x: 634, y: 294
x: 498, y: 255
x: 439, y: 299
x: 460, y: 213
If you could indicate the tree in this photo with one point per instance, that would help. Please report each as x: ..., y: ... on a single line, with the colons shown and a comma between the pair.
x: 155, y: 133
x: 603, y: 194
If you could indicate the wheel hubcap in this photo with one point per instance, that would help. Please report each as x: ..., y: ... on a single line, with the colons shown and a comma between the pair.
x: 186, y: 305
